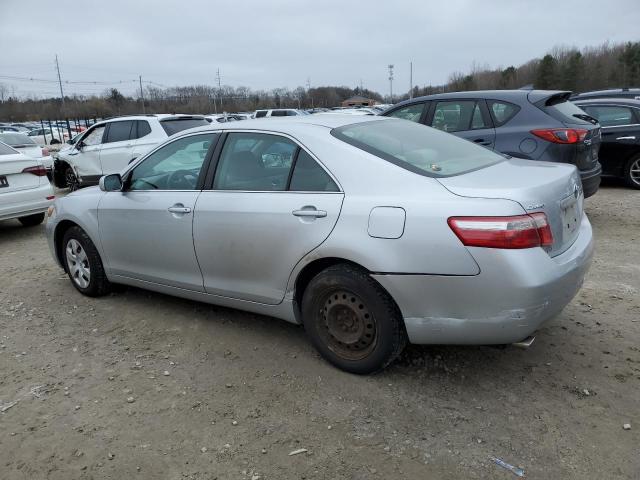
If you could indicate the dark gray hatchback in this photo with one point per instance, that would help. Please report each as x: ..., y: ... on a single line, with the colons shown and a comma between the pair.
x: 530, y: 124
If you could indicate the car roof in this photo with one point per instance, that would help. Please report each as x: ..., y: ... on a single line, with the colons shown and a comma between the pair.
x: 286, y: 123
x: 507, y: 95
x: 608, y: 100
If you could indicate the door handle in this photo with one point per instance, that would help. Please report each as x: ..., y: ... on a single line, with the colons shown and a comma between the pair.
x: 626, y: 138
x: 482, y: 141
x: 309, y: 212
x: 179, y: 208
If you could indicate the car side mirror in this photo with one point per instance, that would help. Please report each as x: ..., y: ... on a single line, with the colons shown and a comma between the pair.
x: 80, y: 145
x: 111, y: 183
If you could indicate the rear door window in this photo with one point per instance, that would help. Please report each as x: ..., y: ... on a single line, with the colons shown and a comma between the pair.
x: 611, y: 115
x: 412, y: 113
x: 261, y: 113
x: 120, y: 131
x: 502, y: 112
x: 254, y: 162
x: 176, y: 125
x: 457, y: 116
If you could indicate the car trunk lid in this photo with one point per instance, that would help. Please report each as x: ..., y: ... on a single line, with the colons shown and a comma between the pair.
x: 12, y: 173
x: 554, y: 189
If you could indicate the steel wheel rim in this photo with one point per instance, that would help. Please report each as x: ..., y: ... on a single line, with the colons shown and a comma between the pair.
x: 78, y: 263
x: 634, y: 172
x: 346, y: 325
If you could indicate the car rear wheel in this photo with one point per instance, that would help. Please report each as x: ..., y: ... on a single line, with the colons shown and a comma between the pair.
x: 351, y: 320
x: 632, y: 172
x: 32, y: 220
x: 83, y: 264
x: 71, y: 180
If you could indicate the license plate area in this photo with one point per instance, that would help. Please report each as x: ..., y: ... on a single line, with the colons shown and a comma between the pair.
x: 4, y: 182
x: 570, y: 219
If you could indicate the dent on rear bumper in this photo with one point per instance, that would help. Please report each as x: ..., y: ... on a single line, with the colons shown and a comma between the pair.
x: 514, y: 294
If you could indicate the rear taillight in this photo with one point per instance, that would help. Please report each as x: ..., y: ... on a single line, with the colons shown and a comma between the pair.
x: 561, y: 135
x: 45, y: 152
x: 522, y: 231
x: 38, y: 170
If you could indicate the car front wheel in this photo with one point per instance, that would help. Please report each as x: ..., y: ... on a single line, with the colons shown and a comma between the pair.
x: 632, y: 172
x: 83, y: 264
x: 71, y: 180
x: 351, y: 320
x: 32, y: 220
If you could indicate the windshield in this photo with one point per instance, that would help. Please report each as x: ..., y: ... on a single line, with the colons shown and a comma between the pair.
x: 178, y: 124
x: 417, y: 148
x: 567, y: 112
x: 15, y: 139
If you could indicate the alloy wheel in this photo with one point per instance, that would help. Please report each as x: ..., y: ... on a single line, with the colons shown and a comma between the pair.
x: 78, y: 264
x: 71, y: 180
x: 634, y: 172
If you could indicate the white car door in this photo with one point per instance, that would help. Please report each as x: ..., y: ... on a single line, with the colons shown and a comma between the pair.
x: 118, y: 146
x: 86, y: 155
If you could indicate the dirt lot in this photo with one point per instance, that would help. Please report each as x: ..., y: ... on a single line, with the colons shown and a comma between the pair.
x: 140, y: 385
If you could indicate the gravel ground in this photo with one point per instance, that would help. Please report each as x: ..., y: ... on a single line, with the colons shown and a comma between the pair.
x: 141, y: 385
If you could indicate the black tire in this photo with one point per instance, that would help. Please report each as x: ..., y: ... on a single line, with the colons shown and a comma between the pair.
x: 631, y: 173
x: 32, y: 220
x: 97, y: 284
x: 352, y: 321
x: 54, y: 142
x: 71, y: 180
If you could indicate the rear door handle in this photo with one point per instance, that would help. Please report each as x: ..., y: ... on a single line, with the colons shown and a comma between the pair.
x: 482, y: 141
x: 309, y: 212
x: 179, y: 208
x: 626, y: 138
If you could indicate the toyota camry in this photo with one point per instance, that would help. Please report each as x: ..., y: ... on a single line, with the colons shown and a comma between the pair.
x: 370, y: 232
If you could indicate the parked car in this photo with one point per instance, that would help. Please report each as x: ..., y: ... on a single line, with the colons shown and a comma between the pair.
x: 619, y: 120
x: 25, y: 191
x: 529, y: 124
x: 629, y: 93
x: 109, y: 146
x: 25, y: 144
x: 9, y: 128
x: 367, y: 230
x: 279, y: 112
x: 46, y: 136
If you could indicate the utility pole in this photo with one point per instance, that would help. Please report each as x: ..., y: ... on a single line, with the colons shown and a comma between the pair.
x: 219, y: 88
x: 410, y: 79
x: 60, y: 81
x: 141, y: 94
x: 391, y: 82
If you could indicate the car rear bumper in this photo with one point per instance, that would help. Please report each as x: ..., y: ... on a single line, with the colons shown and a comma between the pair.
x: 515, y: 292
x: 591, y: 180
x: 25, y: 202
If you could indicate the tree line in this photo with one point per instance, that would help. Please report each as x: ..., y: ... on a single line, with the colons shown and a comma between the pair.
x: 563, y: 68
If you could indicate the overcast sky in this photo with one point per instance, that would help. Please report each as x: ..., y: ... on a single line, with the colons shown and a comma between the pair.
x: 284, y: 43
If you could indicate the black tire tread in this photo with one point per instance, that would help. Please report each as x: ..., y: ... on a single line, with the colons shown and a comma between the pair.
x: 32, y: 220
x: 99, y: 285
x: 398, y: 335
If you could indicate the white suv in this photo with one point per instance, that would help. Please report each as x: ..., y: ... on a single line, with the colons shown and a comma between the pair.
x: 279, y: 112
x: 109, y: 146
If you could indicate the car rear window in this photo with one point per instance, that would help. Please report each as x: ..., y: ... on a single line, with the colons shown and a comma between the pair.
x: 16, y: 139
x: 567, y: 112
x: 176, y: 125
x: 6, y: 150
x: 417, y: 148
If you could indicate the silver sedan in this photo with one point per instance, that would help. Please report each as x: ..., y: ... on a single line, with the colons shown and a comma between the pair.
x: 369, y: 231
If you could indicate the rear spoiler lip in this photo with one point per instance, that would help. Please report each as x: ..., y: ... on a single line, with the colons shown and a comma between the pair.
x: 543, y: 98
x: 182, y: 117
